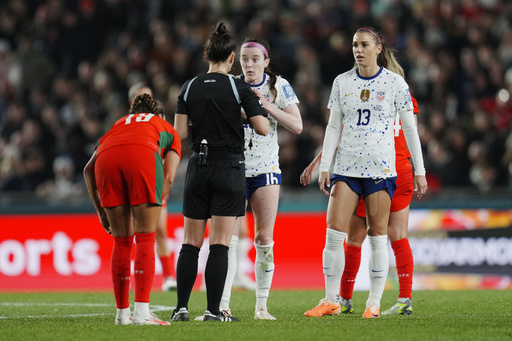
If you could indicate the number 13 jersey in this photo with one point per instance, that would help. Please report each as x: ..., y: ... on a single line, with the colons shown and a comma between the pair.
x: 367, y: 108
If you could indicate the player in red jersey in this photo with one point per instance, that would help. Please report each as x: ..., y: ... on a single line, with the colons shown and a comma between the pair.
x: 127, y: 177
x: 162, y: 250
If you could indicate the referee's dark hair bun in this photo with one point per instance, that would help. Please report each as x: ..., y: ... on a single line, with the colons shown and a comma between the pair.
x: 220, y: 45
x: 221, y: 29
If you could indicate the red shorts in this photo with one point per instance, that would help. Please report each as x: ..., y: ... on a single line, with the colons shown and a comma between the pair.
x: 403, y: 193
x: 129, y: 175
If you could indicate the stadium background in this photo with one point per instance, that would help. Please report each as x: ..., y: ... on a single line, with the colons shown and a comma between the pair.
x: 65, y: 70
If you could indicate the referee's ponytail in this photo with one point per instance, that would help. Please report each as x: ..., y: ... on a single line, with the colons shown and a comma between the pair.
x: 220, y: 45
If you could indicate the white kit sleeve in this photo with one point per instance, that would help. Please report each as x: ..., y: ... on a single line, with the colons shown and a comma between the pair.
x: 331, y: 139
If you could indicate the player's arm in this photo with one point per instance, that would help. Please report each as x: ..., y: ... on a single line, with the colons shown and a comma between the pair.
x: 307, y: 174
x: 171, y: 163
x: 92, y: 189
x: 414, y: 145
x: 289, y: 117
x: 260, y: 124
x: 331, y: 141
x: 254, y: 110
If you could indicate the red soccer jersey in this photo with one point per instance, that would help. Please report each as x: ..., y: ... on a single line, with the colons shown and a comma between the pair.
x: 143, y: 129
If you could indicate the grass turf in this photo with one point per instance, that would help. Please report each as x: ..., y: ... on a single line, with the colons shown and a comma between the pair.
x: 438, y: 315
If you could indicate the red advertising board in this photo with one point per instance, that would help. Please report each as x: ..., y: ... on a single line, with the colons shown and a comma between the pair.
x: 72, y: 251
x: 452, y: 249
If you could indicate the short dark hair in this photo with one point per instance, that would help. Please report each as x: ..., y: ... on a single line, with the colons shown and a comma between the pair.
x: 220, y: 45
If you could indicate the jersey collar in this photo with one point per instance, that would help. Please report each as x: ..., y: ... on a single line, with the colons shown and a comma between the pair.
x: 256, y: 85
x: 372, y: 77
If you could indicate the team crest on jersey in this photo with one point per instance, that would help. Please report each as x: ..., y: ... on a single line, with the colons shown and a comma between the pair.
x: 381, y: 94
x: 365, y: 95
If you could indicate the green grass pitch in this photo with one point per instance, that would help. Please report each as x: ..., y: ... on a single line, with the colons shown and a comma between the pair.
x: 438, y: 315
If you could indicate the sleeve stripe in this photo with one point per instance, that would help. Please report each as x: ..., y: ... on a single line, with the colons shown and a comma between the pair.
x: 233, y: 86
x: 188, y: 88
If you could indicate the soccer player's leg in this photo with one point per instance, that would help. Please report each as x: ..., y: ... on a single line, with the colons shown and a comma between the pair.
x: 377, y: 211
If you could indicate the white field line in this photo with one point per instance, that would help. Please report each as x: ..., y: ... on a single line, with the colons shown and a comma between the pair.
x: 154, y: 308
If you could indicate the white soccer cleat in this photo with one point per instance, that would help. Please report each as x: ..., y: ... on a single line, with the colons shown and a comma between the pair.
x: 263, y: 314
x: 169, y: 284
x: 149, y: 320
x: 123, y: 317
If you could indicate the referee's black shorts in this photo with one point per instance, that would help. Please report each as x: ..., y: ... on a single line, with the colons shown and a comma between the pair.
x: 215, y: 189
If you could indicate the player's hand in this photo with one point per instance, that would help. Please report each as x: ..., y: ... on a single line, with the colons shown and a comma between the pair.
x: 265, y: 102
x: 104, y: 221
x: 306, y: 176
x: 420, y: 185
x: 324, y: 182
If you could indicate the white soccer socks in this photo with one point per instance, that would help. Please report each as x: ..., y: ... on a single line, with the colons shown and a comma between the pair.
x: 264, y: 271
x: 333, y: 260
x: 230, y: 276
x: 379, y: 267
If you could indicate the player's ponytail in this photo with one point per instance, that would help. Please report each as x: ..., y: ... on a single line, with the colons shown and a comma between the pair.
x: 392, y: 63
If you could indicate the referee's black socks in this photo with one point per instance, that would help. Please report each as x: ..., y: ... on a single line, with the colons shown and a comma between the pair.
x: 186, y: 273
x: 215, y: 276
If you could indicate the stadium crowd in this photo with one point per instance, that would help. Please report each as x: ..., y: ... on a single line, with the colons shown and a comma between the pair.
x: 66, y: 67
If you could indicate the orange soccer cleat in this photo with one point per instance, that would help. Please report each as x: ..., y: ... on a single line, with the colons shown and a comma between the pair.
x: 372, y: 311
x: 325, y: 307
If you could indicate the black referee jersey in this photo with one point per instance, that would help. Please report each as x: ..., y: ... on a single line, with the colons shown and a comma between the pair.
x: 213, y: 104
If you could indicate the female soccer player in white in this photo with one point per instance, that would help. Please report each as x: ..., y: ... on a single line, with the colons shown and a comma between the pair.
x: 262, y: 171
x: 397, y: 228
x: 364, y: 103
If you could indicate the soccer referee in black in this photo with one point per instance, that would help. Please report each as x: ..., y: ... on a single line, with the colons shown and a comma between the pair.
x: 209, y: 111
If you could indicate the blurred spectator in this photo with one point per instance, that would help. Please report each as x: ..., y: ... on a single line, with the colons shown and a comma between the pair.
x: 65, y: 67
x: 64, y: 186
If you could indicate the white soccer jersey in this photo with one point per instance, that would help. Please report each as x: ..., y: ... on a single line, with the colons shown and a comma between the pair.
x: 262, y: 154
x: 366, y: 109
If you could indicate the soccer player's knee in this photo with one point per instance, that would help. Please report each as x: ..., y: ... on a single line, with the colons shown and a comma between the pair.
x: 265, y: 253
